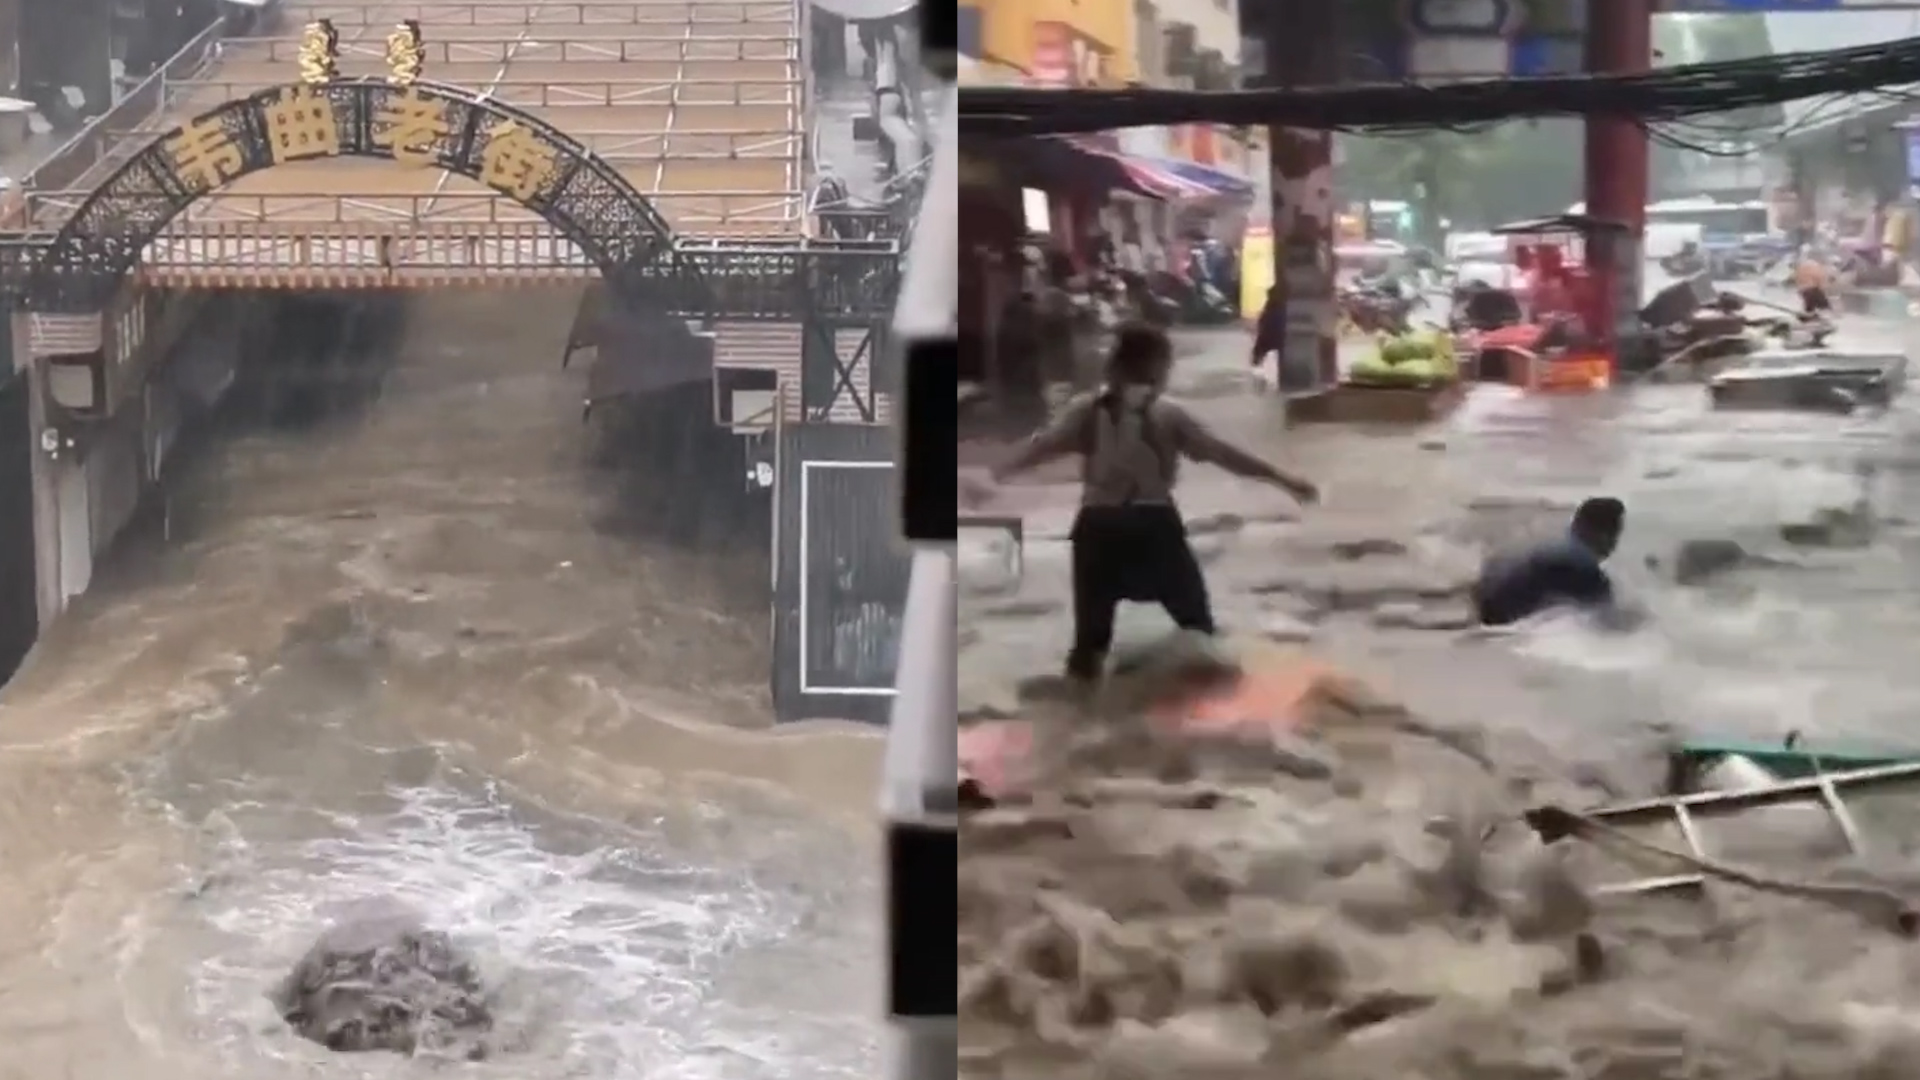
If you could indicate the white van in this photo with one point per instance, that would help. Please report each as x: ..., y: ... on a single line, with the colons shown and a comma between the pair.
x: 1476, y: 247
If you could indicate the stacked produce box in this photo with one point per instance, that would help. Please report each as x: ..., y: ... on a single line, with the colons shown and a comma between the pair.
x: 1418, y: 358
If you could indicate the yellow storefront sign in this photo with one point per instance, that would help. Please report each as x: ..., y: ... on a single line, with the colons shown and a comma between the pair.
x: 1062, y: 42
x: 1256, y: 270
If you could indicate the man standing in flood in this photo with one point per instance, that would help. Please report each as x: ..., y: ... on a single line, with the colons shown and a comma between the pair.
x: 1129, y: 541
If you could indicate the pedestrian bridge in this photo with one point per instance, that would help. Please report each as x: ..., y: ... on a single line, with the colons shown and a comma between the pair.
x: 652, y: 147
x: 527, y: 142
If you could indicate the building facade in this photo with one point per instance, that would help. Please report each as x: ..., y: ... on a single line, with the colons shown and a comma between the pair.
x: 1190, y: 46
x: 1065, y: 43
x: 1194, y: 45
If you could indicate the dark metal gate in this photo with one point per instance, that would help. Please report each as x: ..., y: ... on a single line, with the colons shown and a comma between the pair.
x: 19, y: 577
x: 841, y: 574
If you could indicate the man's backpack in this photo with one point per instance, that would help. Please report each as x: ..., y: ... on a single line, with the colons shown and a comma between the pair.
x: 1111, y: 411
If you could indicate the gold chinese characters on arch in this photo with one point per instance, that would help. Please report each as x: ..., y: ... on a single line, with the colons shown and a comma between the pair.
x: 399, y: 117
x: 416, y: 125
x: 411, y: 126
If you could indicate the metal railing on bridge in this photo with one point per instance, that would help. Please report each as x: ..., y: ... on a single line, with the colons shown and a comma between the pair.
x: 579, y: 93
x: 643, y: 46
x: 770, y: 278
x: 430, y: 215
x: 517, y: 15
x: 460, y: 237
x: 774, y: 277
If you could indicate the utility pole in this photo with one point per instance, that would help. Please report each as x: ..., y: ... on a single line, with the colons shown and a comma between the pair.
x: 1302, y: 49
x: 1426, y: 192
x: 1619, y: 42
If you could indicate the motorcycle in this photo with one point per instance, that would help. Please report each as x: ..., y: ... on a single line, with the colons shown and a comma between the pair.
x: 1482, y: 308
x: 1378, y: 311
x: 1192, y: 301
x: 1684, y: 265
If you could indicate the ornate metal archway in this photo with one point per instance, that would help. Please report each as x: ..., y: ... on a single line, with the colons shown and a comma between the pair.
x: 422, y: 124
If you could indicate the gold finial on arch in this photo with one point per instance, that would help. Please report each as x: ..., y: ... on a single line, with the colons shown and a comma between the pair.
x: 319, y: 56
x: 406, y: 53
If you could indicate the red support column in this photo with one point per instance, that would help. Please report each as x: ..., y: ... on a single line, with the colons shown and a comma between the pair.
x: 1302, y: 49
x: 1619, y: 42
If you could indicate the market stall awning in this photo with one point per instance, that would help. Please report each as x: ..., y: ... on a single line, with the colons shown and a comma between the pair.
x: 1218, y: 184
x: 1158, y: 178
x: 1172, y: 181
x: 1082, y: 162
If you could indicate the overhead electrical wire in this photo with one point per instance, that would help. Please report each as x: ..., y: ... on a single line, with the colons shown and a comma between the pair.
x: 1730, y: 138
x: 1666, y: 95
x: 1739, y: 136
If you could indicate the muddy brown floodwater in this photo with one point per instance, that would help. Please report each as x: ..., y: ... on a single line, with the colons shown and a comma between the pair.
x: 1131, y: 933
x: 428, y: 642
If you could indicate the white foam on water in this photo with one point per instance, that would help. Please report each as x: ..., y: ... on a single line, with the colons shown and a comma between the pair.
x: 1756, y: 663
x: 605, y: 952
x: 1570, y: 638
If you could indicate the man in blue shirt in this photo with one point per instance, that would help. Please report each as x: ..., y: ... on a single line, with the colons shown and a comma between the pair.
x: 1556, y: 573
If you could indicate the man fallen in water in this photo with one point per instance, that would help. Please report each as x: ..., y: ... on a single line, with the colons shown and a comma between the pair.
x: 1562, y: 572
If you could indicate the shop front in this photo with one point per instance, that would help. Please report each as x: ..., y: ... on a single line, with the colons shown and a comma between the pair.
x: 1195, y: 232
x: 1852, y: 183
x: 1047, y: 194
x: 1074, y: 204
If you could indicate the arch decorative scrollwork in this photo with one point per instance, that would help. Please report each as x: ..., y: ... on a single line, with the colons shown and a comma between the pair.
x: 420, y: 123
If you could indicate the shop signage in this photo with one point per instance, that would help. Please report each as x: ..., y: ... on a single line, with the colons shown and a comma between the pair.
x: 1066, y: 59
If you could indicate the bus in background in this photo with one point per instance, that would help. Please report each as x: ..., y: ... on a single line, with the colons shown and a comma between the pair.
x: 1737, y: 238
x: 1664, y: 237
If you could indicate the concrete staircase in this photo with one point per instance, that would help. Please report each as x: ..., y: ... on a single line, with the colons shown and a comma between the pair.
x: 841, y: 103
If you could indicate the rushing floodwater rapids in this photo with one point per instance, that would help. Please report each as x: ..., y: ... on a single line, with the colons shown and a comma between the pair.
x: 426, y: 645
x: 441, y: 640
x: 1814, y: 635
